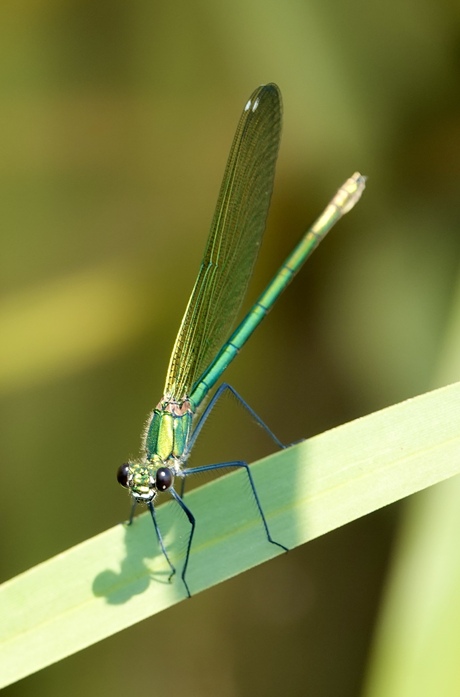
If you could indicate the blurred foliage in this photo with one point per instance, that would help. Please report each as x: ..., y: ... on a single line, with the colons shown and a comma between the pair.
x: 115, y: 123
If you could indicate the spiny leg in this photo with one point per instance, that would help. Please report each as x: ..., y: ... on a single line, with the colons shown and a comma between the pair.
x: 191, y: 520
x: 160, y: 540
x: 216, y: 396
x: 245, y: 466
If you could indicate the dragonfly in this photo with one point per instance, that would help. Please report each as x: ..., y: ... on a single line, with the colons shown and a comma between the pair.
x: 205, y: 344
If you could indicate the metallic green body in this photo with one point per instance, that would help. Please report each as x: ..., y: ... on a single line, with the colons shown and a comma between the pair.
x: 170, y: 425
x: 168, y: 430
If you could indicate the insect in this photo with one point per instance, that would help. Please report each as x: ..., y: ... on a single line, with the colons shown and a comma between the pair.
x: 205, y: 344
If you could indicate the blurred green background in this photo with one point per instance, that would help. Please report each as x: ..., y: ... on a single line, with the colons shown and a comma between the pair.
x: 116, y: 121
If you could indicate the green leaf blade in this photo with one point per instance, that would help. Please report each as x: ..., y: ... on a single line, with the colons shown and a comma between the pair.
x: 118, y: 578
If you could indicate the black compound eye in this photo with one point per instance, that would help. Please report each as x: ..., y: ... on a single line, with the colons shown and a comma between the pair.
x: 122, y: 474
x: 163, y: 478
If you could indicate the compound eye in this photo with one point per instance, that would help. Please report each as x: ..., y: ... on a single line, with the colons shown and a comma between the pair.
x: 122, y: 474
x: 163, y: 478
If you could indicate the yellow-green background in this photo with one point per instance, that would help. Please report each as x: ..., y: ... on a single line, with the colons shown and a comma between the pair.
x: 115, y: 122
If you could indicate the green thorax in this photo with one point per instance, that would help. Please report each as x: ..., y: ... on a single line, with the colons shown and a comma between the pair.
x: 168, y: 429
